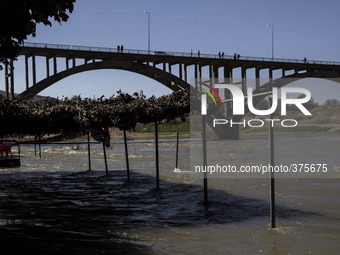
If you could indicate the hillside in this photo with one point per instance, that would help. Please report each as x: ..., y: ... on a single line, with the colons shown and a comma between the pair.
x: 324, y: 120
x: 45, y: 98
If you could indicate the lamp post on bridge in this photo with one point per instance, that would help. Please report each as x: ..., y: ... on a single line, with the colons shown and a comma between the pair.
x: 147, y: 12
x: 271, y: 25
x: 271, y: 146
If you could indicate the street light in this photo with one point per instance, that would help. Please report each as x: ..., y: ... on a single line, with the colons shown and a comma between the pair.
x: 271, y: 25
x: 271, y: 150
x: 148, y: 30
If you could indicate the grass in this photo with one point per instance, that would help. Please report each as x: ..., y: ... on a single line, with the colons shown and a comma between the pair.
x: 172, y: 126
x: 287, y: 130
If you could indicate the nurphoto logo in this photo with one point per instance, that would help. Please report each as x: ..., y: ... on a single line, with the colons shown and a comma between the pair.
x: 239, y: 101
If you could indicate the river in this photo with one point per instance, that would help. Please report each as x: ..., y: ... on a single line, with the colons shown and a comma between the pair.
x: 54, y: 205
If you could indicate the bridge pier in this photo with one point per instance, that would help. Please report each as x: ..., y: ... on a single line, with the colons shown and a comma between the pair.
x: 180, y: 71
x: 34, y: 71
x: 9, y: 80
x: 223, y: 132
x: 47, y: 67
x: 12, y: 78
x: 185, y: 73
x: 244, y: 80
x: 55, y: 65
x: 228, y: 78
x: 6, y: 81
x: 26, y: 72
x: 257, y: 76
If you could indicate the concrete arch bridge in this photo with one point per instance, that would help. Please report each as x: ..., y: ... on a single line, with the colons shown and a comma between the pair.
x: 171, y: 69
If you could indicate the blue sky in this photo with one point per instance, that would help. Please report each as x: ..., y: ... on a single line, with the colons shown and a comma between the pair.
x: 302, y: 28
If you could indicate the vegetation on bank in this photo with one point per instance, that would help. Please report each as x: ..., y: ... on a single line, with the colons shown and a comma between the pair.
x: 170, y: 126
x: 325, y: 119
x: 124, y: 111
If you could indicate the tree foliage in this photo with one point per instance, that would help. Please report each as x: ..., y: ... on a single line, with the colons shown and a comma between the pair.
x: 124, y: 111
x: 331, y: 102
x: 18, y: 19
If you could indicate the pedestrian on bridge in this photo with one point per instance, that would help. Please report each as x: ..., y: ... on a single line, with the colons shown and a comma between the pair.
x: 118, y: 48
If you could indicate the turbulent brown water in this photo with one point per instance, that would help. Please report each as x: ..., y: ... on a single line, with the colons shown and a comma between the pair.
x: 53, y: 205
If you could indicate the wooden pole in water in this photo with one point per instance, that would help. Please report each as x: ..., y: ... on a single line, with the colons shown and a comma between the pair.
x: 89, y: 149
x: 126, y: 157
x: 272, y: 177
x: 39, y: 148
x: 157, y: 158
x: 177, y: 140
x: 205, y: 181
x: 105, y: 160
x: 19, y: 147
x: 35, y: 146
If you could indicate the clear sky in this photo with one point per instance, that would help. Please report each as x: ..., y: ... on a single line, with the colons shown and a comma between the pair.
x: 302, y: 28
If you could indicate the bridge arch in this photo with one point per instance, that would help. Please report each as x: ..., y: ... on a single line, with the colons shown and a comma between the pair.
x: 167, y: 79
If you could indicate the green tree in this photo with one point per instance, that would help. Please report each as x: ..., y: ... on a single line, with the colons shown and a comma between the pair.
x: 310, y: 105
x: 18, y: 19
x: 331, y: 102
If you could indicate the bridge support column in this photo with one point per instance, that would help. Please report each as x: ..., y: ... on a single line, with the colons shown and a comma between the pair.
x: 54, y: 64
x: 34, y: 76
x: 257, y: 75
x: 223, y: 132
x: 12, y: 78
x: 227, y: 72
x: 283, y: 72
x: 67, y: 67
x: 180, y: 71
x: 244, y: 80
x: 6, y: 81
x: 196, y: 76
x: 185, y: 73
x: 47, y: 67
x: 26, y: 72
x: 215, y: 75
x: 200, y: 74
x: 270, y: 78
x: 211, y: 75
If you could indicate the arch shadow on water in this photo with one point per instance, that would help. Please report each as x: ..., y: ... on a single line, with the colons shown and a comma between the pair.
x: 85, y: 212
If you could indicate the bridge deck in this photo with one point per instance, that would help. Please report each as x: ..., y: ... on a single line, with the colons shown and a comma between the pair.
x: 72, y: 51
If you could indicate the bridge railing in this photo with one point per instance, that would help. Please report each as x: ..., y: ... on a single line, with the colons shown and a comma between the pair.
x: 176, y: 54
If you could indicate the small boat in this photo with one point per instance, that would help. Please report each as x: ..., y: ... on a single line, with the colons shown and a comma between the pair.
x: 7, y: 157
